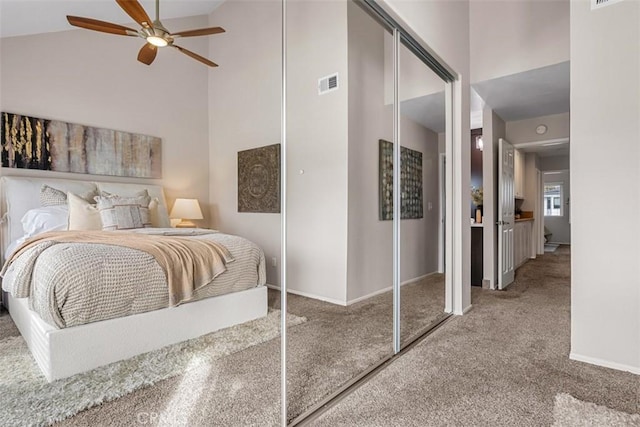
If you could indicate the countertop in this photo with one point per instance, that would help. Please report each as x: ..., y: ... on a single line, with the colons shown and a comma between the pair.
x: 524, y: 219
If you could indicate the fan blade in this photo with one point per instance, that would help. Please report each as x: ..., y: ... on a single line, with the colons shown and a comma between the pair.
x: 95, y: 25
x: 195, y: 56
x: 200, y: 32
x: 135, y: 11
x: 147, y: 54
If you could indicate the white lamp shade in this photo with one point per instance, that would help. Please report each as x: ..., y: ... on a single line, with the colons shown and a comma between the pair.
x: 186, y: 209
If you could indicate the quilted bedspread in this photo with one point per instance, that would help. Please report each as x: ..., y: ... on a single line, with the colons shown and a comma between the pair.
x: 70, y: 284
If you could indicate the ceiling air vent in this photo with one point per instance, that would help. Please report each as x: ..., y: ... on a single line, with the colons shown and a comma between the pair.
x: 597, y: 4
x: 328, y: 84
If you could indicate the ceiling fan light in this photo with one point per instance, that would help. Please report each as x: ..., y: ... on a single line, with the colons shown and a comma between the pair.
x: 157, y: 41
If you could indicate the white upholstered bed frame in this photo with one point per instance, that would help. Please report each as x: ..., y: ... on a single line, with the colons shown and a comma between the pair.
x: 61, y: 353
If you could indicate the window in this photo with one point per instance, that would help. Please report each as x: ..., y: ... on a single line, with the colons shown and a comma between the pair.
x: 553, y: 205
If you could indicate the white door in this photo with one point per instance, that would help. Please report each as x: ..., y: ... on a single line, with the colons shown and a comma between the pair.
x: 506, y: 210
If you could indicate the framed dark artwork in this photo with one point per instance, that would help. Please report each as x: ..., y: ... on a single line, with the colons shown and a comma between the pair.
x: 410, y: 182
x: 34, y: 143
x: 259, y: 179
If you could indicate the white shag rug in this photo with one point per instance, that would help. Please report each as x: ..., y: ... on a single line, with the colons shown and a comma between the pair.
x: 27, y: 399
x: 571, y: 412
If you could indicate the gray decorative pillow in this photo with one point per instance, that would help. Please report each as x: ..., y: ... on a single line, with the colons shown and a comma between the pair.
x: 50, y: 196
x: 124, y: 213
x: 141, y: 193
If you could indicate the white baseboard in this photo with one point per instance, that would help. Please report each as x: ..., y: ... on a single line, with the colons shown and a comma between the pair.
x: 373, y: 294
x: 355, y: 300
x: 310, y: 295
x: 463, y: 312
x: 605, y: 363
x: 389, y: 288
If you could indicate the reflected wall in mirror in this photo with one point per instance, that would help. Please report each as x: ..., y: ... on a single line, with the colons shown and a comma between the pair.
x: 422, y: 128
x: 339, y: 252
x: 245, y: 114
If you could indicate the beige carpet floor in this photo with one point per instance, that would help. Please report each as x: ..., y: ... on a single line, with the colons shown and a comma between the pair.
x: 338, y: 343
x: 571, y: 412
x: 26, y: 398
x: 333, y: 346
x: 500, y: 365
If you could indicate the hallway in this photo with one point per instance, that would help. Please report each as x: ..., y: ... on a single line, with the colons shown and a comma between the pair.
x: 500, y: 365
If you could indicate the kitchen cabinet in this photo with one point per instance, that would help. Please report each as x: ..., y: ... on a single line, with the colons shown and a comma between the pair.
x: 518, y: 173
x: 476, y: 254
x: 522, y: 236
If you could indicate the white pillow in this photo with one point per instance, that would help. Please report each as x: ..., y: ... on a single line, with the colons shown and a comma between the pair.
x: 41, y: 220
x: 82, y: 214
x: 154, y: 213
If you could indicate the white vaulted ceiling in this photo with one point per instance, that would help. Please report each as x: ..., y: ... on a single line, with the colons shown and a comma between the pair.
x: 534, y: 93
x: 23, y: 17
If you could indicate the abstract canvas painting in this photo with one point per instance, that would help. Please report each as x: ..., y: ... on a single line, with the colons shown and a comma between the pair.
x: 259, y: 179
x: 34, y: 143
x: 410, y: 182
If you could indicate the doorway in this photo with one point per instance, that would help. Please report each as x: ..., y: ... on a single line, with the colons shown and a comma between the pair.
x: 556, y: 209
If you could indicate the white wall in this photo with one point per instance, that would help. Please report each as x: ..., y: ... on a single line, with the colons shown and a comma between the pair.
x: 243, y: 109
x: 531, y: 184
x: 94, y: 79
x: 509, y: 37
x: 414, y: 82
x: 370, y: 243
x: 244, y: 112
x: 444, y: 27
x: 493, y: 129
x: 318, y: 141
x: 554, y: 163
x: 605, y: 160
x: 559, y: 226
x: 522, y: 131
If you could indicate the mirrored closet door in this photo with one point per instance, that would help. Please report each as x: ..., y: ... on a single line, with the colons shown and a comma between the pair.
x: 422, y: 131
x: 339, y: 248
x: 245, y: 128
x: 365, y: 131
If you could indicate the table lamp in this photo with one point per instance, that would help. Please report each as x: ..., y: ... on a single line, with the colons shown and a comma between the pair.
x: 186, y: 210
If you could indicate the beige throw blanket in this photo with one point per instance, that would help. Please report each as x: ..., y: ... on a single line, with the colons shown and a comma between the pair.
x: 187, y: 263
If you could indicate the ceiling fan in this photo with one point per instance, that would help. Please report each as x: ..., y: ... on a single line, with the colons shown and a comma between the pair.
x: 153, y: 32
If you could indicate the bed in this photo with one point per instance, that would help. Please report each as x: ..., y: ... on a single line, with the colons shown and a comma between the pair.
x: 63, y: 346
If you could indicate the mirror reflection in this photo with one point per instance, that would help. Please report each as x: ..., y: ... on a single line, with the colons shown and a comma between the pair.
x: 339, y: 251
x: 422, y: 136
